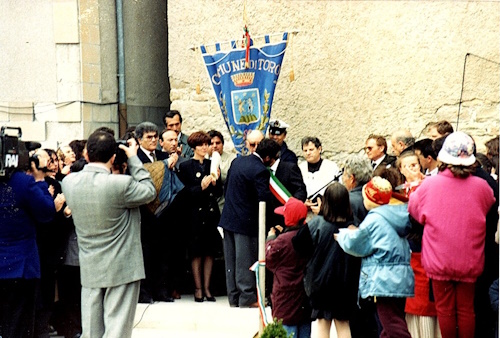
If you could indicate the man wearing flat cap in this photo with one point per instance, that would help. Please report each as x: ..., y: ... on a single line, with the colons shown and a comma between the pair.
x: 277, y: 132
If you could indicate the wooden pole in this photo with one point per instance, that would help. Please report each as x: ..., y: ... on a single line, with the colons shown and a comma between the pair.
x: 262, y: 256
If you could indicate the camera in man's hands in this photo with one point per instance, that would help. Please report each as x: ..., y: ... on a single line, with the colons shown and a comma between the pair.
x: 121, y: 157
x: 14, y: 153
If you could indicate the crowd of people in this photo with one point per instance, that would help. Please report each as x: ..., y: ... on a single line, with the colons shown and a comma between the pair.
x: 382, y: 245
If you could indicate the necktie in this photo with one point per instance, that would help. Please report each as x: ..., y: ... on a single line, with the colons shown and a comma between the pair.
x: 374, y: 164
x: 153, y: 155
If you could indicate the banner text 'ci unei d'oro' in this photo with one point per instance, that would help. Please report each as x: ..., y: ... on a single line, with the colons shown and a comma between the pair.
x: 245, y: 94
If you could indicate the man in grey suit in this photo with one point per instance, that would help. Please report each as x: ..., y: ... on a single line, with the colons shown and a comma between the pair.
x: 105, y: 211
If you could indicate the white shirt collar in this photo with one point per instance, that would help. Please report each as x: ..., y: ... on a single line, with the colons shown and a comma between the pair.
x: 274, y: 167
x: 377, y: 162
x: 432, y: 172
x: 260, y: 158
x: 148, y: 153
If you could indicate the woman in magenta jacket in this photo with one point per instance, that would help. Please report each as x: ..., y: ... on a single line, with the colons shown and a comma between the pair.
x: 452, y: 207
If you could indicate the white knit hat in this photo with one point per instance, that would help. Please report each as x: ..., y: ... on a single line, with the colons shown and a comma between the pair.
x: 458, y: 149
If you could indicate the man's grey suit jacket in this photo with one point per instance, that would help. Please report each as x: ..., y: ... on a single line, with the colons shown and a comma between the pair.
x: 105, y: 211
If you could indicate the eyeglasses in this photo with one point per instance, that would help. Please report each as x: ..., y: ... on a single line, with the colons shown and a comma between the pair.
x: 368, y: 148
x: 150, y: 137
x: 253, y: 144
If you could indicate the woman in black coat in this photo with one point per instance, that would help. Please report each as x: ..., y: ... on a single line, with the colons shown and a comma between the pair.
x: 203, y: 212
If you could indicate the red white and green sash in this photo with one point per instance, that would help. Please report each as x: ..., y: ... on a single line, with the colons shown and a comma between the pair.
x: 278, y: 189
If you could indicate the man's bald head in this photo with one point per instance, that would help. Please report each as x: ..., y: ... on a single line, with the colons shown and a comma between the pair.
x: 401, y: 140
x: 253, y: 139
x: 169, y: 141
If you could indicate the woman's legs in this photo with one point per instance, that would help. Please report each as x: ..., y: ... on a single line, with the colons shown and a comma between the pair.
x: 343, y: 329
x: 196, y: 269
x: 207, y: 274
x: 324, y: 326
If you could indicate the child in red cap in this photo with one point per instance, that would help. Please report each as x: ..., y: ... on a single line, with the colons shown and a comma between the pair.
x: 290, y: 302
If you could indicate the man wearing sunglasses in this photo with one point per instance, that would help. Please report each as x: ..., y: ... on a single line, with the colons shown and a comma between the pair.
x: 253, y: 139
x: 376, y: 150
x: 147, y: 134
x: 154, y: 286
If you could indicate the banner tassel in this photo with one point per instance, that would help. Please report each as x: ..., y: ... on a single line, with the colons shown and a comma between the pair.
x: 246, y: 36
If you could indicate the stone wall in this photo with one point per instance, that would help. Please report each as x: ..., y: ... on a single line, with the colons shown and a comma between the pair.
x: 59, y: 66
x: 360, y: 67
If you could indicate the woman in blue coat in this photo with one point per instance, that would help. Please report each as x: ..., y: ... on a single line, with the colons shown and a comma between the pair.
x: 24, y: 202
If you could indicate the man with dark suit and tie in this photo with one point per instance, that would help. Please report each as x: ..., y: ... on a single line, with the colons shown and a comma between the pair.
x: 155, y: 285
x: 173, y: 121
x: 169, y: 144
x: 376, y: 150
x: 289, y: 175
x: 174, y: 215
x: 147, y: 134
x: 247, y: 184
x: 105, y: 211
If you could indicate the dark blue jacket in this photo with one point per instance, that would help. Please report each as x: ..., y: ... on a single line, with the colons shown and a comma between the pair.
x: 286, y: 155
x: 247, y: 184
x: 23, y: 203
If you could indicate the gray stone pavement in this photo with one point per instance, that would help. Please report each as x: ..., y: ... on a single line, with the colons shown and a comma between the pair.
x: 186, y: 319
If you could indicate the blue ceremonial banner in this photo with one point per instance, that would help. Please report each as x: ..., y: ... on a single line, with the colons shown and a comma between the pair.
x: 245, y: 95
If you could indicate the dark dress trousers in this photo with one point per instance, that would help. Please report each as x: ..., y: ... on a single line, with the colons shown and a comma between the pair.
x: 155, y: 285
x: 247, y: 184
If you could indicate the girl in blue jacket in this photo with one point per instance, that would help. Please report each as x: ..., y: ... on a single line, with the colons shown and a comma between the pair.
x: 386, y: 274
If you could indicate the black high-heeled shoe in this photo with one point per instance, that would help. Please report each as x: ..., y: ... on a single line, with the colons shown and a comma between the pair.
x: 196, y: 299
x: 209, y: 299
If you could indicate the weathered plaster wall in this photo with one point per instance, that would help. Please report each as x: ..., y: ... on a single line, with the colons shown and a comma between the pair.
x: 360, y: 67
x: 146, y: 60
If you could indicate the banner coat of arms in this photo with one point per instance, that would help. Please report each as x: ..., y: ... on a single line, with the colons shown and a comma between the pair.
x: 245, y: 94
